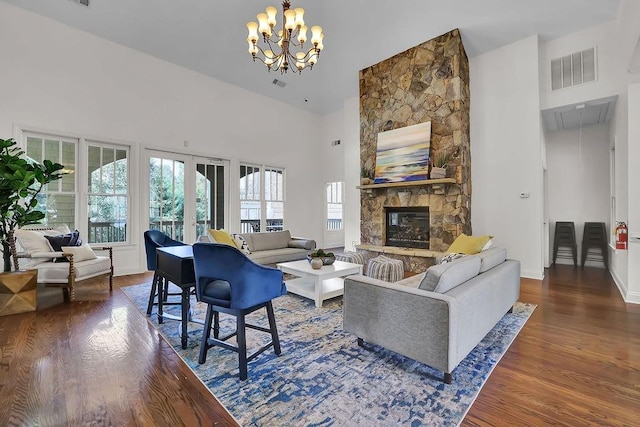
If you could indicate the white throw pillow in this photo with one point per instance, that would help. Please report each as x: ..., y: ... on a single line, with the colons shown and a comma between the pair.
x: 80, y: 253
x: 241, y: 244
x: 32, y: 241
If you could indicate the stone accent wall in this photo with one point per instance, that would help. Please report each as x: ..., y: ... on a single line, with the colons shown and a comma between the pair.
x: 429, y: 82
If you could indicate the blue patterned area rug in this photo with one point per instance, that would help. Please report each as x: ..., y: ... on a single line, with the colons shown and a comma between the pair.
x: 323, y: 378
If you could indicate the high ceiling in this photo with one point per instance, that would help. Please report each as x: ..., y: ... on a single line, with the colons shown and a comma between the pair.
x: 209, y: 36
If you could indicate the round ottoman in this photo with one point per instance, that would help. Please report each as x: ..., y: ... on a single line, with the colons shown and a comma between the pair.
x: 387, y: 269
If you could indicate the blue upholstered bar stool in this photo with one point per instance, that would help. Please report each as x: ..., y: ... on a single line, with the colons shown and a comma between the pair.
x: 159, y: 288
x: 229, y: 282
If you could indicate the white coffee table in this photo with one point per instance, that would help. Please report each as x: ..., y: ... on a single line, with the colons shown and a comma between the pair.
x: 318, y: 285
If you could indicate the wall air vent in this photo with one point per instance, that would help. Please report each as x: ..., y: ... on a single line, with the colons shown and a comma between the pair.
x: 574, y: 69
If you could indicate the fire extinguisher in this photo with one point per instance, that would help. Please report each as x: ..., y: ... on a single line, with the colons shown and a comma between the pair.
x: 621, y: 236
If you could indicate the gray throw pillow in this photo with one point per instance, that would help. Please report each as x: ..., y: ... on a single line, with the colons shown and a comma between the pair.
x: 444, y: 277
x: 491, y: 257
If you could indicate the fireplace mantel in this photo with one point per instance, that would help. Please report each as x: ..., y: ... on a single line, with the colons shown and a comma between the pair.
x: 408, y: 183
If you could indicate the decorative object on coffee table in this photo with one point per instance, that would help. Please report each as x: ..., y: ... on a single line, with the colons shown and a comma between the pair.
x: 316, y: 263
x: 327, y: 258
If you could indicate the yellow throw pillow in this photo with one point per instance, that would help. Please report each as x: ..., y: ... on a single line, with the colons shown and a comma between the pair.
x: 221, y: 236
x: 469, y: 245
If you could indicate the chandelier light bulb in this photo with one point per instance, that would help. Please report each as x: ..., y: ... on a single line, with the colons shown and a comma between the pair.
x: 253, y: 32
x: 271, y: 16
x: 290, y: 19
x: 302, y: 35
x: 299, y: 16
x: 264, y: 29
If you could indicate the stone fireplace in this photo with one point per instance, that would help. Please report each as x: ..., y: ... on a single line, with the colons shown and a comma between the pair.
x: 407, y: 227
x: 429, y: 82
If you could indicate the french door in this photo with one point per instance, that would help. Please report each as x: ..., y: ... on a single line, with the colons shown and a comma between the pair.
x: 187, y: 194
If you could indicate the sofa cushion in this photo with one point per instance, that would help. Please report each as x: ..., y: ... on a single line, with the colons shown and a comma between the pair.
x: 469, y: 245
x: 302, y: 244
x: 268, y: 240
x: 80, y: 253
x: 274, y: 256
x: 491, y: 257
x: 443, y: 277
x: 50, y: 272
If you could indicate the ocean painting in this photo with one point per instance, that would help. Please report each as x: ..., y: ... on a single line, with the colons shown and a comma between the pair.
x: 403, y: 154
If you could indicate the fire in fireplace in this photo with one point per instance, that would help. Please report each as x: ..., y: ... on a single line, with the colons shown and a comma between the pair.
x: 407, y: 227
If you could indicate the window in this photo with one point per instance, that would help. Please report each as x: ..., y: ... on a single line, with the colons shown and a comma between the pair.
x: 166, y: 196
x: 58, y: 200
x: 274, y: 198
x: 108, y: 177
x: 105, y: 170
x: 334, y: 206
x: 261, y: 207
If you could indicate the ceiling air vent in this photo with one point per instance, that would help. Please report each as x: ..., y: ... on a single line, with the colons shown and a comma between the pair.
x: 574, y: 69
x: 82, y: 2
x: 279, y: 83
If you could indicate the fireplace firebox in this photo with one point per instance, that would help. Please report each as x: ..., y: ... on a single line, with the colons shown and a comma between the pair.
x: 407, y: 227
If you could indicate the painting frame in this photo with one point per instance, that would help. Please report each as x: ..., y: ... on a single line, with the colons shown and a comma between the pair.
x: 402, y: 155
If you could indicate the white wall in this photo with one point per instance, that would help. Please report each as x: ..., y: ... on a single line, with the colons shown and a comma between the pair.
x: 624, y: 264
x: 633, y: 285
x: 578, y: 181
x: 351, y: 143
x: 63, y: 80
x: 506, y: 151
x: 332, y: 161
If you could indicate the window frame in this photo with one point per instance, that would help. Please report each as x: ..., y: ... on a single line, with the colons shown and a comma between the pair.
x: 82, y: 176
x: 262, y: 193
x: 329, y: 187
x: 128, y: 220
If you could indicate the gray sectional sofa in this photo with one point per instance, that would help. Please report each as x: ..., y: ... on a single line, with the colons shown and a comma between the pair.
x: 273, y: 247
x: 436, y: 317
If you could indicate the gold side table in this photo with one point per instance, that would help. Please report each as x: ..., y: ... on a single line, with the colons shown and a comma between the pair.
x: 18, y: 292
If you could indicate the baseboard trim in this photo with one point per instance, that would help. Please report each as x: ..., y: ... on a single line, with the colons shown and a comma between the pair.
x: 632, y: 298
x: 532, y: 274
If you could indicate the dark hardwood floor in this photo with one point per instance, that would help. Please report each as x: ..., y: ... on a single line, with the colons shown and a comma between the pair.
x: 98, y: 361
x: 576, y: 361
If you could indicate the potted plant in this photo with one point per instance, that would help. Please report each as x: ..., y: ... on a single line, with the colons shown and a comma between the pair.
x: 366, y: 176
x: 21, y: 180
x: 439, y: 165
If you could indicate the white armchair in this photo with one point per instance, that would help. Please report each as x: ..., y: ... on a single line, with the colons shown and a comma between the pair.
x: 64, y: 268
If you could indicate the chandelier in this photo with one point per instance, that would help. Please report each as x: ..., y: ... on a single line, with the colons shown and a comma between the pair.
x: 277, y: 54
